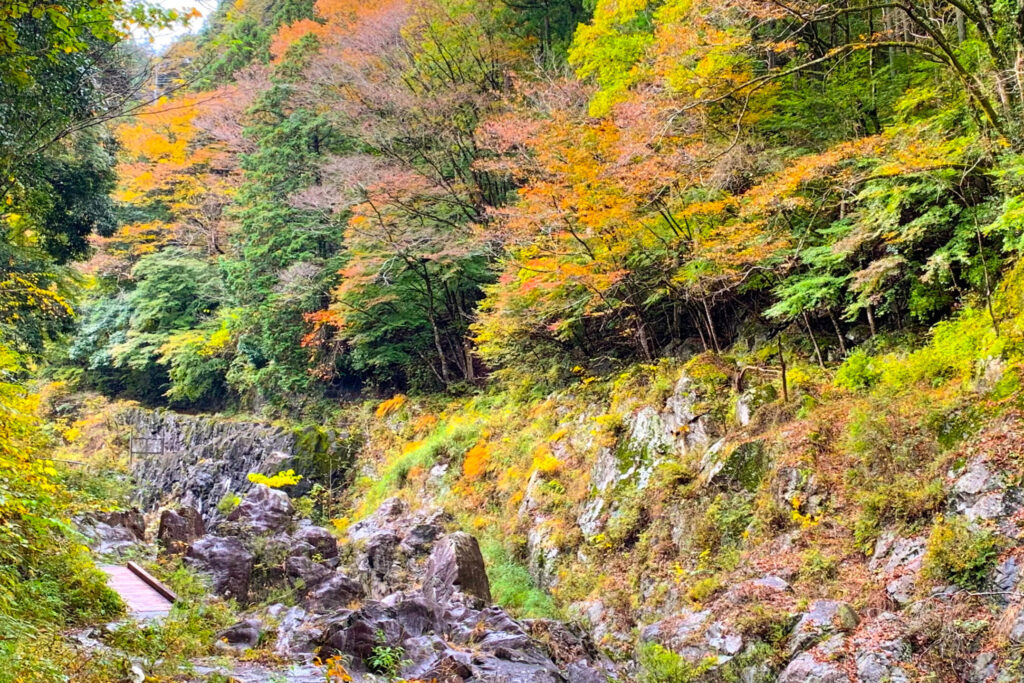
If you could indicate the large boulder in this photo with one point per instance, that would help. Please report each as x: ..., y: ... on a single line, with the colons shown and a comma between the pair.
x: 333, y: 593
x: 264, y: 509
x: 376, y: 561
x: 179, y: 528
x: 311, y: 573
x: 114, y: 532
x: 243, y: 635
x: 456, y: 565
x: 358, y: 633
x: 323, y: 542
x: 227, y: 560
x: 818, y: 665
x: 130, y: 520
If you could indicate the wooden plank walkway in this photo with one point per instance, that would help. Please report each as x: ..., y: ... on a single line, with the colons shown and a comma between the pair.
x: 144, y: 600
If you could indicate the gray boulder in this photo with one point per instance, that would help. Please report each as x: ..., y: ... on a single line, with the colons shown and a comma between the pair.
x: 244, y: 635
x: 323, y: 542
x: 824, y: 618
x: 227, y: 560
x: 456, y: 564
x: 819, y: 665
x: 264, y: 509
x: 334, y: 592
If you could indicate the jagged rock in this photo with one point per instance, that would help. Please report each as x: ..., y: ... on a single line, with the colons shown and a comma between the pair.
x: 295, y: 633
x: 179, y: 528
x: 825, y: 617
x: 387, y: 512
x: 311, y: 573
x: 794, y: 484
x: 509, y: 650
x: 376, y: 561
x: 817, y: 665
x: 243, y: 635
x: 264, y: 509
x: 208, y: 457
x: 130, y: 520
x: 984, y: 668
x: 227, y: 560
x: 324, y: 543
x: 1005, y: 578
x: 880, y: 650
x: 421, y: 537
x: 334, y: 592
x: 433, y: 660
x: 898, y: 561
x: 375, y: 624
x: 689, y: 635
x: 456, y: 564
x: 564, y: 643
x: 651, y: 437
x: 542, y: 554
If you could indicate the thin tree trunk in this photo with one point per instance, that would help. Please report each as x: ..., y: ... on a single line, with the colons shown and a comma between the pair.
x: 782, y: 363
x: 711, y: 326
x: 814, y: 341
x: 839, y: 333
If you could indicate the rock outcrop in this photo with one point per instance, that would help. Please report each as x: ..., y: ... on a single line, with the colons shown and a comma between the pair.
x: 196, y: 460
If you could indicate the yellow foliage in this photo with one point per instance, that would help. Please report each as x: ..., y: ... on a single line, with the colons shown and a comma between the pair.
x: 544, y: 461
x: 285, y: 478
x: 411, y: 446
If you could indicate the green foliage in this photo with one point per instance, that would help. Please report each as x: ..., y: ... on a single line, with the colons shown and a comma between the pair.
x: 660, y: 665
x: 957, y: 553
x: 228, y: 502
x: 512, y: 586
x: 723, y: 523
x: 857, y: 373
x: 817, y: 568
x: 905, y: 501
x: 386, y: 660
x: 128, y: 337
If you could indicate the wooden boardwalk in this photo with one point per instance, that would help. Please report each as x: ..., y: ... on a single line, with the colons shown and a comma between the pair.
x: 145, y: 597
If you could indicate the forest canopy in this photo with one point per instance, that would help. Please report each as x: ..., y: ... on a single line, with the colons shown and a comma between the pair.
x: 419, y: 194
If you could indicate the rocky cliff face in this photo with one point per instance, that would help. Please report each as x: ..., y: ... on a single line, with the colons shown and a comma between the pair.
x: 196, y: 460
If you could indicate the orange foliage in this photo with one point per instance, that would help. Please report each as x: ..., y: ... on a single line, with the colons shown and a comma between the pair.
x: 391, y: 405
x: 476, y: 460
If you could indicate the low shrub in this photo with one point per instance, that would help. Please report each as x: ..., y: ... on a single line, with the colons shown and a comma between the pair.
x: 958, y: 554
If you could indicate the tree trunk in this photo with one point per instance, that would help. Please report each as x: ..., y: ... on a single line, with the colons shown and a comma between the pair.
x: 782, y: 364
x: 814, y: 341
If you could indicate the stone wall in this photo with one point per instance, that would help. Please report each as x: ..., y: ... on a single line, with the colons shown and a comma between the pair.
x: 199, y: 459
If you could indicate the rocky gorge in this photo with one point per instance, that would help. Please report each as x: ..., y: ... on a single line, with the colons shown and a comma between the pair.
x: 407, y: 578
